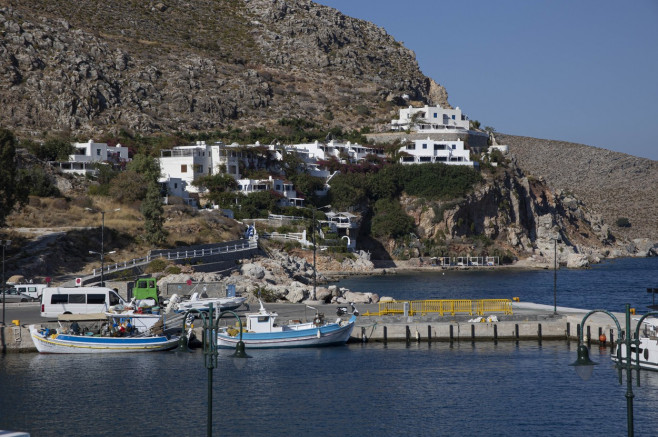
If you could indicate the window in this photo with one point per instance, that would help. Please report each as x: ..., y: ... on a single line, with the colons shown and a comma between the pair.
x: 439, y: 147
x: 98, y: 152
x: 114, y: 299
x: 175, y: 185
x: 77, y: 298
x: 59, y: 298
x: 453, y: 116
x: 424, y: 146
x: 278, y: 187
x: 411, y: 147
x: 436, y: 115
x: 96, y: 298
x: 454, y: 147
x: 183, y: 168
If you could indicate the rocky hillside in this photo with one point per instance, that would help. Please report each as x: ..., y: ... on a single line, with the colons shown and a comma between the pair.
x: 520, y: 216
x: 613, y: 184
x: 93, y: 67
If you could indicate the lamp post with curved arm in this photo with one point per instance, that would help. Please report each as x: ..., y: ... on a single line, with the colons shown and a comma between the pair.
x: 102, y: 252
x: 4, y: 244
x: 210, y: 350
x: 584, y: 366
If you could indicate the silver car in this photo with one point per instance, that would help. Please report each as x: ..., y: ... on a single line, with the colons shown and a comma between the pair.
x: 12, y: 295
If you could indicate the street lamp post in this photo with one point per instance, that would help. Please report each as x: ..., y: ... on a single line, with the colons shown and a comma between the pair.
x: 102, y: 262
x: 210, y: 350
x: 555, y: 241
x: 102, y: 240
x: 4, y: 244
x: 584, y: 366
x: 315, y: 280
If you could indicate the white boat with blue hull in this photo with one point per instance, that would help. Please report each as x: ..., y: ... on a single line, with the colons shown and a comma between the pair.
x: 119, y: 333
x: 262, y: 332
x: 648, y: 347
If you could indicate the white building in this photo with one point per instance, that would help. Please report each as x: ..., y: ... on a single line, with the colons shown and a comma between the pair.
x: 450, y: 152
x: 317, y: 151
x: 86, y: 155
x: 431, y: 119
x: 285, y: 189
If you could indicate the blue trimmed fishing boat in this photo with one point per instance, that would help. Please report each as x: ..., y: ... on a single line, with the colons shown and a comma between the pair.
x: 121, y: 336
x: 262, y: 332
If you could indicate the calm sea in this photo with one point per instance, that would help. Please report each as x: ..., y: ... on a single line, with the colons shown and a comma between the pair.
x: 509, y: 388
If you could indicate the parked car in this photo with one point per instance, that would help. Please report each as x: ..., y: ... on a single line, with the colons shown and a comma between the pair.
x: 12, y: 295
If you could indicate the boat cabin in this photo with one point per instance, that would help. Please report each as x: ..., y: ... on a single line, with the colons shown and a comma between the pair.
x: 262, y: 322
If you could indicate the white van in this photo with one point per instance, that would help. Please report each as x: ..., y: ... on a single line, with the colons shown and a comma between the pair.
x: 32, y: 290
x: 77, y: 300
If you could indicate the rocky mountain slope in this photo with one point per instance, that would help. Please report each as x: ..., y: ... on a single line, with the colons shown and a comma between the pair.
x: 197, y: 65
x: 613, y: 184
x: 512, y: 214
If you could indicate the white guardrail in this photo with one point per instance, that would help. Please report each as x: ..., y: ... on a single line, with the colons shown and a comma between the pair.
x: 174, y: 255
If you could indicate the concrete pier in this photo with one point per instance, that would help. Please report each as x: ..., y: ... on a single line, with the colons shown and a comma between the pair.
x: 528, y: 322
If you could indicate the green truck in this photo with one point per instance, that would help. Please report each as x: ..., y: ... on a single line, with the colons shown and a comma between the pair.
x: 146, y: 288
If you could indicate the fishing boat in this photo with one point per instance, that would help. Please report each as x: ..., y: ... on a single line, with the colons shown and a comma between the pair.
x: 648, y: 347
x: 202, y: 304
x: 262, y: 331
x: 117, y: 333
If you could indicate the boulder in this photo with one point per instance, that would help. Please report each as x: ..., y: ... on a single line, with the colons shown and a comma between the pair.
x: 295, y: 295
x: 253, y: 271
x: 323, y: 294
x: 355, y: 297
x: 577, y: 261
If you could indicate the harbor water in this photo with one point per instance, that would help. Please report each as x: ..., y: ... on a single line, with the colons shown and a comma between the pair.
x: 498, y: 389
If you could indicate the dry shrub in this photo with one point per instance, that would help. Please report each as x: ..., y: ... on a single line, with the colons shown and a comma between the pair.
x: 34, y: 202
x: 82, y: 202
x: 60, y: 204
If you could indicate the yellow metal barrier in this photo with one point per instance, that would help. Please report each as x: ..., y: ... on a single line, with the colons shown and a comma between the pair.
x: 445, y: 306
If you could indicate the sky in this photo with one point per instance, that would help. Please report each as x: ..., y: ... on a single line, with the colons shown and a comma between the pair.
x: 580, y: 71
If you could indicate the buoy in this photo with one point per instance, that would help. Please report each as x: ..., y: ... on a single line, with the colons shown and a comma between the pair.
x: 602, y: 338
x: 515, y: 299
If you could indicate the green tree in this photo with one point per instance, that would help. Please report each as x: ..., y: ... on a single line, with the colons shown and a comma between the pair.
x: 216, y: 186
x: 153, y: 213
x: 53, y: 149
x: 258, y: 204
x: 38, y: 182
x: 147, y: 166
x: 390, y: 220
x: 306, y: 184
x: 128, y: 186
x: 13, y: 190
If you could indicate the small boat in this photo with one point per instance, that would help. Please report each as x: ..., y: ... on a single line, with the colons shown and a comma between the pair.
x: 648, y: 348
x: 117, y: 333
x: 202, y: 304
x: 262, y: 332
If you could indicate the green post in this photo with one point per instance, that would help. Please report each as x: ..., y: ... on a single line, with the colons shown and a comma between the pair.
x: 629, y: 373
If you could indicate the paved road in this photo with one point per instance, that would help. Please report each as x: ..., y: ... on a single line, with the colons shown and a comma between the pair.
x: 28, y: 313
x: 25, y: 313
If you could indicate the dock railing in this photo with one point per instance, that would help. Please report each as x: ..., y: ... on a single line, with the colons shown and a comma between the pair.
x: 444, y: 306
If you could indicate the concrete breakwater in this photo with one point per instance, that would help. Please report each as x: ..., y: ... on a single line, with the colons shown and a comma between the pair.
x: 528, y: 322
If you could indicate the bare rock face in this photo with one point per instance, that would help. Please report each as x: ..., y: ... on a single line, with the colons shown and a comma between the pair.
x: 522, y: 216
x: 613, y: 184
x: 195, y: 65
